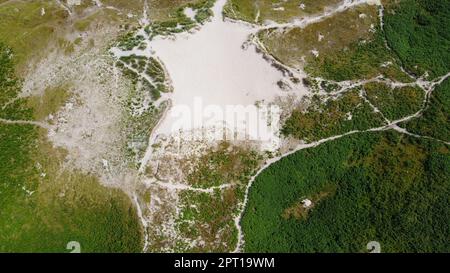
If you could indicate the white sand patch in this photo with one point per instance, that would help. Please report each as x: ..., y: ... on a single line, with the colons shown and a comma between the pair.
x: 190, y: 13
x: 307, y: 203
x: 315, y: 53
x: 320, y: 37
x: 98, y: 3
x: 212, y: 66
x: 73, y: 2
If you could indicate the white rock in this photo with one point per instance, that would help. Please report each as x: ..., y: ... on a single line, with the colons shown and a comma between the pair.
x: 307, y: 203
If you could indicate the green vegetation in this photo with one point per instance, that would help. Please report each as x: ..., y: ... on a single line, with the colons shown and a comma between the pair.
x: 11, y: 107
x: 361, y: 60
x: 395, y: 103
x: 149, y: 72
x: 49, y: 102
x: 325, y: 117
x: 133, y: 6
x: 137, y: 127
x: 43, y: 206
x: 148, y: 81
x: 210, y: 216
x: 165, y: 10
x: 386, y: 187
x: 24, y: 29
x: 130, y: 41
x: 178, y: 22
x: 142, y: 111
x: 417, y: 31
x: 353, y: 45
x: 347, y: 46
x: 225, y: 164
x: 435, y: 121
x: 279, y: 11
x: 43, y: 209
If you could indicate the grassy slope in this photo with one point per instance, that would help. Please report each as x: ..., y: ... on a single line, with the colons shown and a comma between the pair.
x: 247, y: 10
x: 64, y: 206
x: 383, y: 187
x: 351, y: 46
x: 44, y: 207
x: 26, y: 31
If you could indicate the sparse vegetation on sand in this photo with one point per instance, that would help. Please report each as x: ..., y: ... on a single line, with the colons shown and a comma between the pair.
x: 210, y: 218
x: 44, y: 206
x: 259, y: 11
x: 225, y: 164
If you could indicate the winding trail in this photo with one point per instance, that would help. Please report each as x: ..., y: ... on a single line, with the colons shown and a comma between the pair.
x: 184, y: 187
x: 427, y: 86
x: 143, y: 221
x: 393, y: 125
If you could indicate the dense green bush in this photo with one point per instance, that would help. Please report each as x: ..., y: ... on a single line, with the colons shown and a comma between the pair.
x: 387, y: 187
x: 395, y: 103
x: 335, y: 116
x: 361, y: 60
x: 435, y: 121
x: 417, y: 31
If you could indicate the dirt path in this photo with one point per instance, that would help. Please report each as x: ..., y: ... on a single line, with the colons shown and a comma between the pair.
x: 26, y: 122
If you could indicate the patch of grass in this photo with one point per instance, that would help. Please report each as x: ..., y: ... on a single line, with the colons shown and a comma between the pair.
x: 210, y: 216
x: 167, y: 10
x: 44, y: 206
x: 347, y: 46
x: 49, y: 102
x: 361, y: 60
x: 279, y: 11
x: 130, y: 41
x: 178, y: 22
x: 390, y: 188
x: 395, y: 103
x: 85, y: 23
x: 133, y: 6
x: 333, y: 116
x: 222, y: 165
x: 24, y: 29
